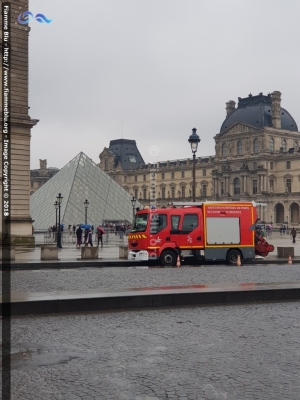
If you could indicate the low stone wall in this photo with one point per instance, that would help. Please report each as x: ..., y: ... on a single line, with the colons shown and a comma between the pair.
x: 49, y: 253
x: 123, y: 252
x: 89, y: 253
x: 5, y: 255
x: 285, y: 252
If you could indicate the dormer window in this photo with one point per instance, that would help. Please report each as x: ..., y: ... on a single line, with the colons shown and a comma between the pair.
x: 132, y: 159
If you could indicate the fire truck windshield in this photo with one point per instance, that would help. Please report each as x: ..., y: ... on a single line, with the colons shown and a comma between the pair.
x: 140, y: 223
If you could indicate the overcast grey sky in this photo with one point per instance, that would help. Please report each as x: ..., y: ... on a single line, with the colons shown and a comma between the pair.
x: 153, y: 69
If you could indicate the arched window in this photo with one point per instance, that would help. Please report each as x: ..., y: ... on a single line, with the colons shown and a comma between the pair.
x: 239, y: 148
x: 224, y: 150
x: 236, y: 186
x: 283, y: 144
x: 271, y: 144
x: 256, y: 146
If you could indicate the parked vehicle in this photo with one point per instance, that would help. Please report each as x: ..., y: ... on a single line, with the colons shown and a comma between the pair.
x: 215, y: 231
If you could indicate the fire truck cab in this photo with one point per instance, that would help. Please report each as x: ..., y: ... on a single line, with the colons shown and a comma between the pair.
x: 212, y: 231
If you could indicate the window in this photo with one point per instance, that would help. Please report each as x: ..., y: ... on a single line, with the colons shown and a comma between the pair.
x: 140, y: 223
x: 144, y: 178
x: 125, y: 178
x: 182, y: 174
x: 295, y: 144
x: 173, y: 192
x: 31, y: 184
x: 236, y: 186
x: 289, y: 185
x: 254, y: 165
x: 271, y: 184
x: 256, y: 146
x: 283, y: 144
x: 132, y: 159
x: 288, y: 165
x: 222, y: 187
x: 224, y: 150
x: 136, y: 193
x: 204, y: 190
x: 271, y: 165
x: 190, y: 222
x: 271, y: 144
x: 158, y: 223
x: 204, y: 172
x: 175, y: 219
x: 239, y: 148
x: 172, y: 175
x: 144, y: 194
x: 105, y: 165
x: 163, y: 175
x: 135, y: 178
x: 163, y: 193
x: 183, y: 192
x: 254, y: 186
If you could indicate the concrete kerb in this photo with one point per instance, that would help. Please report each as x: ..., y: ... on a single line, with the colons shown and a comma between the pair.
x: 61, y: 302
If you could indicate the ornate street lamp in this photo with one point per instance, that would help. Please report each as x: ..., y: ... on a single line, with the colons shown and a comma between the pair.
x: 133, y: 201
x: 86, y: 204
x: 59, y: 200
x: 194, y: 140
x: 56, y: 208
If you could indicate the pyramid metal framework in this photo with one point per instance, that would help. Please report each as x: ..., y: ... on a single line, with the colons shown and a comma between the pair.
x: 77, y: 181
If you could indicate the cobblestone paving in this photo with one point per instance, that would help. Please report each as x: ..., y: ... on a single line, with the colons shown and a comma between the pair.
x: 129, y: 277
x: 227, y: 352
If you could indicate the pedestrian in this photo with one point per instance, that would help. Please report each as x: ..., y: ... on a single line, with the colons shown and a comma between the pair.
x: 89, y: 239
x: 294, y: 234
x: 100, y: 233
x: 74, y: 229
x: 79, y: 236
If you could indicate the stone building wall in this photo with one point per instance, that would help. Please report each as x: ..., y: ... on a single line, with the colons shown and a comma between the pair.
x: 21, y: 124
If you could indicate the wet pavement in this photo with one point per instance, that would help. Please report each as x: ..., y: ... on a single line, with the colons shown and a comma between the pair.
x: 232, y: 352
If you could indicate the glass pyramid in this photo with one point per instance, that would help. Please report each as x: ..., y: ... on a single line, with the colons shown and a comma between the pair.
x: 77, y: 181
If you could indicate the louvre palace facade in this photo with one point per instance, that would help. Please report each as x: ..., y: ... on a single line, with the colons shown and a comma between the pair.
x: 257, y: 158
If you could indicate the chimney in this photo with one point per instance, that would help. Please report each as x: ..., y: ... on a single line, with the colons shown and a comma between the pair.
x: 276, y: 115
x: 230, y: 107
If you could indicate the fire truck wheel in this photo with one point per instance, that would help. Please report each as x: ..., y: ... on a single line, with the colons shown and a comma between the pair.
x: 232, y: 257
x: 168, y: 258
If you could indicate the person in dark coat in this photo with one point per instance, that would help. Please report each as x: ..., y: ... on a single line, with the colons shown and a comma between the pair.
x: 294, y: 234
x: 79, y: 236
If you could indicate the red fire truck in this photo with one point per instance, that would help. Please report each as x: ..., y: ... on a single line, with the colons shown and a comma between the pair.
x: 215, y: 231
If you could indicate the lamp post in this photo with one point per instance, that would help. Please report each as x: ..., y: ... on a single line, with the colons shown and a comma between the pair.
x: 133, y: 201
x: 59, y: 200
x: 86, y: 204
x: 56, y: 208
x: 194, y: 140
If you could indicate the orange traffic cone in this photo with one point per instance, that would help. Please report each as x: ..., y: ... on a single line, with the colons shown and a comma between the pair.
x: 178, y: 261
x: 290, y: 260
x: 238, y: 261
